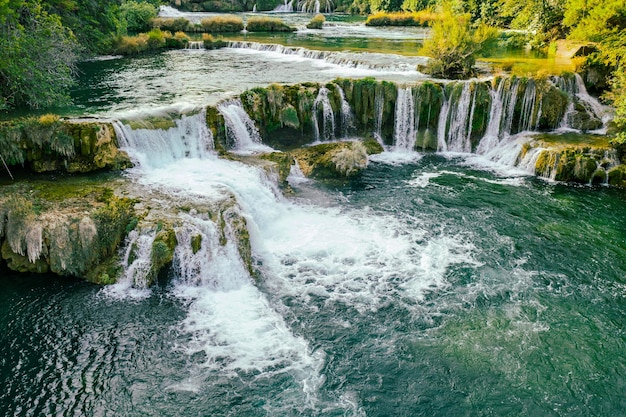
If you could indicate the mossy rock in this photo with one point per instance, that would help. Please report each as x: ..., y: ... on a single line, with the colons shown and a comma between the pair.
x: 333, y: 160
x: 617, y: 176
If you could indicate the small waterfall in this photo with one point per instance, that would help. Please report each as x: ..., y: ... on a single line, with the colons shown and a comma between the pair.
x: 188, y: 138
x: 460, y: 122
x: 501, y: 115
x: 379, y: 102
x: 323, y: 107
x: 287, y: 7
x: 442, y: 144
x: 510, y: 102
x: 240, y: 128
x: 574, y: 87
x: 315, y: 6
x: 137, y: 261
x: 364, y: 60
x: 347, y: 119
x: 528, y: 106
x: 195, y: 45
x: 404, y: 128
x: 254, y: 8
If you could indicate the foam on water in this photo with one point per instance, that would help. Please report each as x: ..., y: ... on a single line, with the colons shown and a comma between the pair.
x: 396, y: 157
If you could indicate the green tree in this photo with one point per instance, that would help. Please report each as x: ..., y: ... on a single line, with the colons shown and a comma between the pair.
x: 544, y: 17
x: 136, y: 16
x: 454, y: 44
x: 37, y: 57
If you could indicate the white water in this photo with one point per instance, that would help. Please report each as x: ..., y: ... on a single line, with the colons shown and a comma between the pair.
x: 287, y: 7
x: 370, y: 62
x: 324, y: 126
x: 240, y: 129
x: 404, y: 127
x: 356, y: 257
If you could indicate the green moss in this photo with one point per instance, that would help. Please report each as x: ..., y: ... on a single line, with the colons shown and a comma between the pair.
x: 196, y: 243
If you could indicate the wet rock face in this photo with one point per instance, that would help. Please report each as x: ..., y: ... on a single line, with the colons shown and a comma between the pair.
x: 48, y: 144
x: 73, y: 231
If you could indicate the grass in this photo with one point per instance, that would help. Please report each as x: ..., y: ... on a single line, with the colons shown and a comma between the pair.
x: 317, y: 22
x: 267, y: 24
x: 421, y: 18
x: 218, y: 24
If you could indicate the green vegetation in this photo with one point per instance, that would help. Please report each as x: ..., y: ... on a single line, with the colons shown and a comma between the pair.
x: 171, y: 24
x: 218, y: 24
x: 317, y: 22
x: 267, y: 24
x: 454, y: 44
x: 421, y: 18
x: 137, y: 16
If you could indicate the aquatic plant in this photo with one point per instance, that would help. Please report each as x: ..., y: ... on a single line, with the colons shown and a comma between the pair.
x: 218, y: 24
x: 317, y: 22
x: 267, y: 24
x: 421, y: 18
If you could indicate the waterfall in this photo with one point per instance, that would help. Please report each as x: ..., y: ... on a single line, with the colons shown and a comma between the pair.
x: 442, y: 144
x: 322, y: 106
x: 195, y: 45
x: 460, y: 122
x: 379, y: 102
x: 347, y: 119
x: 286, y: 7
x: 188, y: 138
x: 240, y: 128
x: 364, y: 60
x: 528, y: 106
x: 404, y: 128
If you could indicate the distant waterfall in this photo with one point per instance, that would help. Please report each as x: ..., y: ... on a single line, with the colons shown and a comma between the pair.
x: 287, y: 7
x: 240, y: 128
x: 404, y: 131
x: 324, y: 126
x: 188, y: 138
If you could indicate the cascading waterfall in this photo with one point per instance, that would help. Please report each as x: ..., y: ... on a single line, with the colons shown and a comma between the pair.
x: 322, y: 107
x: 363, y: 60
x: 286, y: 7
x: 188, y: 138
x: 459, y: 122
x: 528, y: 107
x: 379, y: 102
x: 195, y: 45
x: 404, y: 128
x: 240, y: 128
x: 347, y: 119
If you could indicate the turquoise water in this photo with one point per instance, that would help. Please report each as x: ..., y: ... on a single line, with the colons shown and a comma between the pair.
x: 503, y: 295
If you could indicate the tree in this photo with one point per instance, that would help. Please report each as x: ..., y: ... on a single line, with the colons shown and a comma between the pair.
x: 454, y: 44
x: 136, y: 16
x: 37, y: 58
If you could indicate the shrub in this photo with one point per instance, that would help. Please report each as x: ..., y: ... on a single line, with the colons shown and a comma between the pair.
x: 352, y: 160
x: 173, y: 25
x: 137, y: 16
x: 421, y: 18
x: 178, y: 41
x: 211, y: 43
x: 454, y: 45
x: 156, y: 39
x: 226, y: 23
x: 132, y: 45
x: 317, y: 22
x: 267, y: 24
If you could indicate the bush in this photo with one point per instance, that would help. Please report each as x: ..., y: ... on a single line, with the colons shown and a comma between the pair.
x: 132, y: 45
x: 267, y: 24
x: 179, y: 24
x: 421, y: 18
x: 226, y: 23
x: 137, y: 16
x: 211, y: 43
x: 180, y: 40
x: 156, y: 39
x: 454, y: 45
x: 317, y: 22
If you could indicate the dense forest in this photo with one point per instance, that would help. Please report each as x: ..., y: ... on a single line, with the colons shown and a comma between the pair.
x: 43, y: 40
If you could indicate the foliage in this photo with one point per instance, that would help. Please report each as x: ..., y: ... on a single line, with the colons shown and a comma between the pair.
x: 227, y: 23
x: 454, y: 45
x: 421, y: 18
x: 37, y: 59
x: 352, y: 160
x: 544, y: 17
x: 137, y: 16
x: 617, y: 96
x: 317, y: 22
x: 267, y: 24
x: 211, y: 43
x: 171, y: 24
